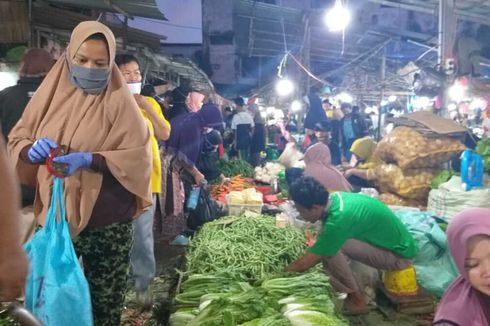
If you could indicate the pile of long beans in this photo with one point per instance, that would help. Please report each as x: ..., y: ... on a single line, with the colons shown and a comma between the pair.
x: 236, y: 167
x: 250, y: 246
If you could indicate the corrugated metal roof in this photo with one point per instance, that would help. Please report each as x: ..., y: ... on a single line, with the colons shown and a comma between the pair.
x: 58, y: 23
x: 471, y: 10
x: 50, y: 17
x: 142, y: 8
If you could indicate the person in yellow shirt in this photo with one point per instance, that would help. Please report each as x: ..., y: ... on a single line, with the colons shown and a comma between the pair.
x: 142, y: 263
x: 364, y: 162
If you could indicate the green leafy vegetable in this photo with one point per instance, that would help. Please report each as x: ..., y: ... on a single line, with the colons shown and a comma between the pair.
x: 313, y: 318
x: 483, y: 148
x: 442, y: 177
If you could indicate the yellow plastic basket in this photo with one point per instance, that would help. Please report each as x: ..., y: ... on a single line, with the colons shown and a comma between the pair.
x: 402, y: 283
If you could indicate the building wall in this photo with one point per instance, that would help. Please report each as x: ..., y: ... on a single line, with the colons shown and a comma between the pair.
x: 218, y: 42
x: 182, y: 50
x: 224, y: 63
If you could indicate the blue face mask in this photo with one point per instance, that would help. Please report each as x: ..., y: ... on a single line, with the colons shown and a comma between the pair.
x: 90, y: 80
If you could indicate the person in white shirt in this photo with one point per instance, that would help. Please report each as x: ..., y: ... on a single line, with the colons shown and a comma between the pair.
x: 242, y: 126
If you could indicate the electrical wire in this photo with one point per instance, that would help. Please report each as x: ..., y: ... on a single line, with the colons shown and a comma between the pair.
x: 170, y: 24
x: 308, y: 72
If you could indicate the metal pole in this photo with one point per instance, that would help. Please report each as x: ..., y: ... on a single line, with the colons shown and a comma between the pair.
x: 31, y: 27
x: 440, y: 32
x: 447, y: 35
x: 308, y: 55
x: 383, y: 77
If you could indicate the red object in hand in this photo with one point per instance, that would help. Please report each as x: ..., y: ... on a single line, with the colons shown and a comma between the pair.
x: 310, y: 241
x: 59, y: 170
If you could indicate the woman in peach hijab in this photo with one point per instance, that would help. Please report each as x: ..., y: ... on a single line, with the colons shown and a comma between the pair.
x: 319, y: 166
x: 85, y: 105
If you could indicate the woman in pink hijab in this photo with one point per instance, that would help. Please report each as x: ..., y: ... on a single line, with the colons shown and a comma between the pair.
x: 467, y: 301
x: 318, y: 165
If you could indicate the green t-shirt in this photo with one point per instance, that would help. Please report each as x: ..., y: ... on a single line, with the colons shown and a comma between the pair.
x: 356, y: 216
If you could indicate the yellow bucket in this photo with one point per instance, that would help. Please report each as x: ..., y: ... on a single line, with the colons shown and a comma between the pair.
x: 402, y: 283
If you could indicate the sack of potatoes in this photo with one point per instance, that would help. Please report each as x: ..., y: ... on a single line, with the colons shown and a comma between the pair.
x: 395, y: 200
x: 410, y: 150
x: 410, y: 183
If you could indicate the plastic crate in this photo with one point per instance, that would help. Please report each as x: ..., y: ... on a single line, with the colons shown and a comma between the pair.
x: 238, y: 209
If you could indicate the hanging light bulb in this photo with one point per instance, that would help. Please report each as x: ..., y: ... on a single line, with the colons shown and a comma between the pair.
x: 284, y: 87
x: 338, y: 17
x: 296, y: 106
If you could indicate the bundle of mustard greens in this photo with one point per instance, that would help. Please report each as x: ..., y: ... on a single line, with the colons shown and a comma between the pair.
x: 250, y: 246
x: 227, y: 299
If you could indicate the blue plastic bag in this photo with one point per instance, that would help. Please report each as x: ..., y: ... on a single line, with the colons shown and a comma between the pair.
x: 434, y: 265
x: 57, y: 292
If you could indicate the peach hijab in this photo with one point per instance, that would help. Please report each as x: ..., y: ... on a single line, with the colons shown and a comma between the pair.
x: 108, y: 123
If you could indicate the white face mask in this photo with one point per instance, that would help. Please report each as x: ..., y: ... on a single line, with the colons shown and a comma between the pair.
x: 134, y: 88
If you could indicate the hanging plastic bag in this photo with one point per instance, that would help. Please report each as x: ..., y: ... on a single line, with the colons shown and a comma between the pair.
x: 206, y: 210
x: 57, y: 292
x: 434, y: 257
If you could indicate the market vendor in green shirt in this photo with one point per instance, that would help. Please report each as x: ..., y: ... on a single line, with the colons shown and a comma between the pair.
x: 355, y: 227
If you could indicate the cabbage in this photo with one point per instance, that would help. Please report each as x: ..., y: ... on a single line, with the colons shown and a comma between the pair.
x: 313, y: 318
x: 181, y: 317
x: 275, y: 320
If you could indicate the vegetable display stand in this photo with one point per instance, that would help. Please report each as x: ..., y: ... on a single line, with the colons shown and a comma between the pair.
x: 239, y: 209
x: 235, y: 276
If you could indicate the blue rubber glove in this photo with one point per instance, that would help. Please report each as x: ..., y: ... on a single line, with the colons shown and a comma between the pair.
x: 39, y: 151
x: 75, y: 161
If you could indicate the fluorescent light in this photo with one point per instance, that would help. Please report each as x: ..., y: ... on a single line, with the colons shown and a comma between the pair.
x: 345, y: 98
x: 422, y: 102
x: 270, y: 110
x: 296, y: 106
x: 284, y: 87
x: 7, y: 79
x: 457, y: 92
x: 338, y: 17
x: 278, y: 114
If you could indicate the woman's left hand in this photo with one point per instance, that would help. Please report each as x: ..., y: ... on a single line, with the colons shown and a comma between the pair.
x: 348, y: 173
x: 75, y: 161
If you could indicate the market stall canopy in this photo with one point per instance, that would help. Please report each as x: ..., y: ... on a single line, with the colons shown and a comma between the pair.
x: 130, y: 8
x: 267, y: 30
x: 175, y: 69
x: 429, y: 124
x: 51, y: 20
x: 471, y: 10
x: 55, y: 24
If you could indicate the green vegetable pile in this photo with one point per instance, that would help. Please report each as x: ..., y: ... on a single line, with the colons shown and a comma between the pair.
x: 289, y: 300
x: 249, y: 246
x: 236, y: 277
x: 483, y: 148
x: 442, y: 177
x: 236, y: 167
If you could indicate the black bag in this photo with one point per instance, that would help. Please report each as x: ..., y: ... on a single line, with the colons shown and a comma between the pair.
x: 206, y: 210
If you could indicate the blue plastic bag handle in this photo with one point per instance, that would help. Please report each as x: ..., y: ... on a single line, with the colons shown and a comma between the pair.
x: 58, y: 205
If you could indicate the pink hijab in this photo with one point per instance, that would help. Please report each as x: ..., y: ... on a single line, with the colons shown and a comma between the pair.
x: 318, y: 165
x: 462, y: 304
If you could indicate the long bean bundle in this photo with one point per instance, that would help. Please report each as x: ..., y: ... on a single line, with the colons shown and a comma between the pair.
x: 250, y: 246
